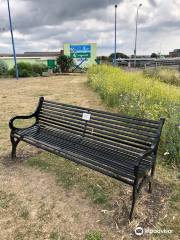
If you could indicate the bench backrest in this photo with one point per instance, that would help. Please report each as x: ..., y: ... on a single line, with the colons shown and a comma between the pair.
x: 113, y: 130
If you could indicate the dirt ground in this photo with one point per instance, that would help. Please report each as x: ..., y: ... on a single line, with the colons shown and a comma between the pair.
x: 32, y: 204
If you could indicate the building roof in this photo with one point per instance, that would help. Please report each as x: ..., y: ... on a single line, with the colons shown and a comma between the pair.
x: 32, y: 54
x: 41, y: 54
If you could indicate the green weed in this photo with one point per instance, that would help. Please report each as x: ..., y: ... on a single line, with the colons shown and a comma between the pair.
x: 24, y: 213
x: 133, y: 94
x: 170, y: 76
x: 93, y: 235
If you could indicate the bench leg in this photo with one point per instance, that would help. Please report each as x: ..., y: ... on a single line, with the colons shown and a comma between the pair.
x: 14, y: 143
x: 134, y: 196
x: 151, y: 178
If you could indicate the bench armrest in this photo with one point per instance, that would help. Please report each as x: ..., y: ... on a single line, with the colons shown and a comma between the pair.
x: 144, y: 155
x: 147, y: 153
x: 35, y: 114
x: 11, y: 125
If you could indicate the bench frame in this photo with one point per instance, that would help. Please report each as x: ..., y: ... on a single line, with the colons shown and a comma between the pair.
x: 137, y: 185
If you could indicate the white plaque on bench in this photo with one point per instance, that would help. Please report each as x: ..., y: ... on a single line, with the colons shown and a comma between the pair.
x: 86, y: 116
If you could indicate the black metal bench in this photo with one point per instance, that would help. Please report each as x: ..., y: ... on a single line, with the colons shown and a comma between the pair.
x: 122, y: 147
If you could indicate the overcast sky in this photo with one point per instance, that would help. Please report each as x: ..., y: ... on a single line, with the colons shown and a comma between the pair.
x: 44, y: 25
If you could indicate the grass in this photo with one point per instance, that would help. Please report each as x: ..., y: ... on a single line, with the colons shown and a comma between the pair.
x: 171, y: 218
x: 93, y: 235
x: 24, y: 213
x: 101, y: 190
x: 133, y: 94
x: 6, y: 199
x: 167, y: 75
x: 54, y: 235
x: 71, y: 175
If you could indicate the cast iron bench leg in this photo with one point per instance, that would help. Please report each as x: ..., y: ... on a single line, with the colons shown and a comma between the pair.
x: 14, y: 143
x: 134, y: 197
x: 151, y: 178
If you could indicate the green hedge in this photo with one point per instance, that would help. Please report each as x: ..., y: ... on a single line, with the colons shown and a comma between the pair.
x: 3, y: 68
x: 29, y: 70
x: 133, y: 94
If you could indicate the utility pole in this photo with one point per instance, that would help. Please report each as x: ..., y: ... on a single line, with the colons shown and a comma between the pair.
x: 12, y: 38
x: 115, y: 39
x: 135, y: 48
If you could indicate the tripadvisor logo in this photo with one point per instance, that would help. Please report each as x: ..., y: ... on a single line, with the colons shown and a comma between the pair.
x: 139, y: 231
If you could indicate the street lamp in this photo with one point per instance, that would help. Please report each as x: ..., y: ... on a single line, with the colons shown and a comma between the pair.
x: 115, y: 40
x: 12, y: 37
x: 137, y: 15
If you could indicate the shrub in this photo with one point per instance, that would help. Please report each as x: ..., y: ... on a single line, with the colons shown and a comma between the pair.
x: 28, y: 70
x: 39, y: 68
x: 170, y: 76
x: 3, y: 68
x: 25, y: 70
x: 65, y: 63
x: 24, y: 73
x: 135, y: 95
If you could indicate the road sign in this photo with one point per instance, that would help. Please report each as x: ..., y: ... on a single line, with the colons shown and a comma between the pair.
x: 83, y: 54
x: 80, y: 51
x: 80, y: 55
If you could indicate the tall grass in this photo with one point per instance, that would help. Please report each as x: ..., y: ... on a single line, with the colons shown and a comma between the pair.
x: 133, y: 94
x: 167, y: 75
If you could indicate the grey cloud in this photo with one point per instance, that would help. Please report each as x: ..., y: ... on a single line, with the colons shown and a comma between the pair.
x: 56, y: 12
x: 47, y: 24
x: 153, y: 3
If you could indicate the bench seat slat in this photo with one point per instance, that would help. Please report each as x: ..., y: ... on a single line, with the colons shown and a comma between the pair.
x: 109, y: 123
x: 109, y: 142
x: 106, y: 153
x: 61, y: 126
x: 113, y: 133
x: 94, y: 117
x: 119, y: 134
x: 112, y: 164
x: 74, y: 118
x: 100, y: 112
x: 99, y: 126
x: 118, y: 138
x: 110, y: 117
x: 59, y: 115
x: 59, y: 110
x: 65, y: 147
x: 63, y: 121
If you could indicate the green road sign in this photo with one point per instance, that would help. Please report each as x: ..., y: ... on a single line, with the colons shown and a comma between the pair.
x: 81, y: 55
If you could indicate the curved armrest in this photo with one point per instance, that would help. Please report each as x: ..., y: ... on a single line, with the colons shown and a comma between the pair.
x: 35, y: 114
x: 11, y: 126
x: 144, y: 155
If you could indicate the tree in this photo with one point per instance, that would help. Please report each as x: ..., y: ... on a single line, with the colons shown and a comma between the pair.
x: 65, y: 63
x: 103, y: 58
x: 118, y: 55
x: 154, y: 55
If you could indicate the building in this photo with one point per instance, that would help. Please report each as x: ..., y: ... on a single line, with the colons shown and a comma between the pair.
x: 47, y: 58
x: 175, y: 53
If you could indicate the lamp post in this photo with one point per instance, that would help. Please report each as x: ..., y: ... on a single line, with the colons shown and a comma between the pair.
x: 115, y: 39
x: 137, y: 15
x: 13, y: 43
